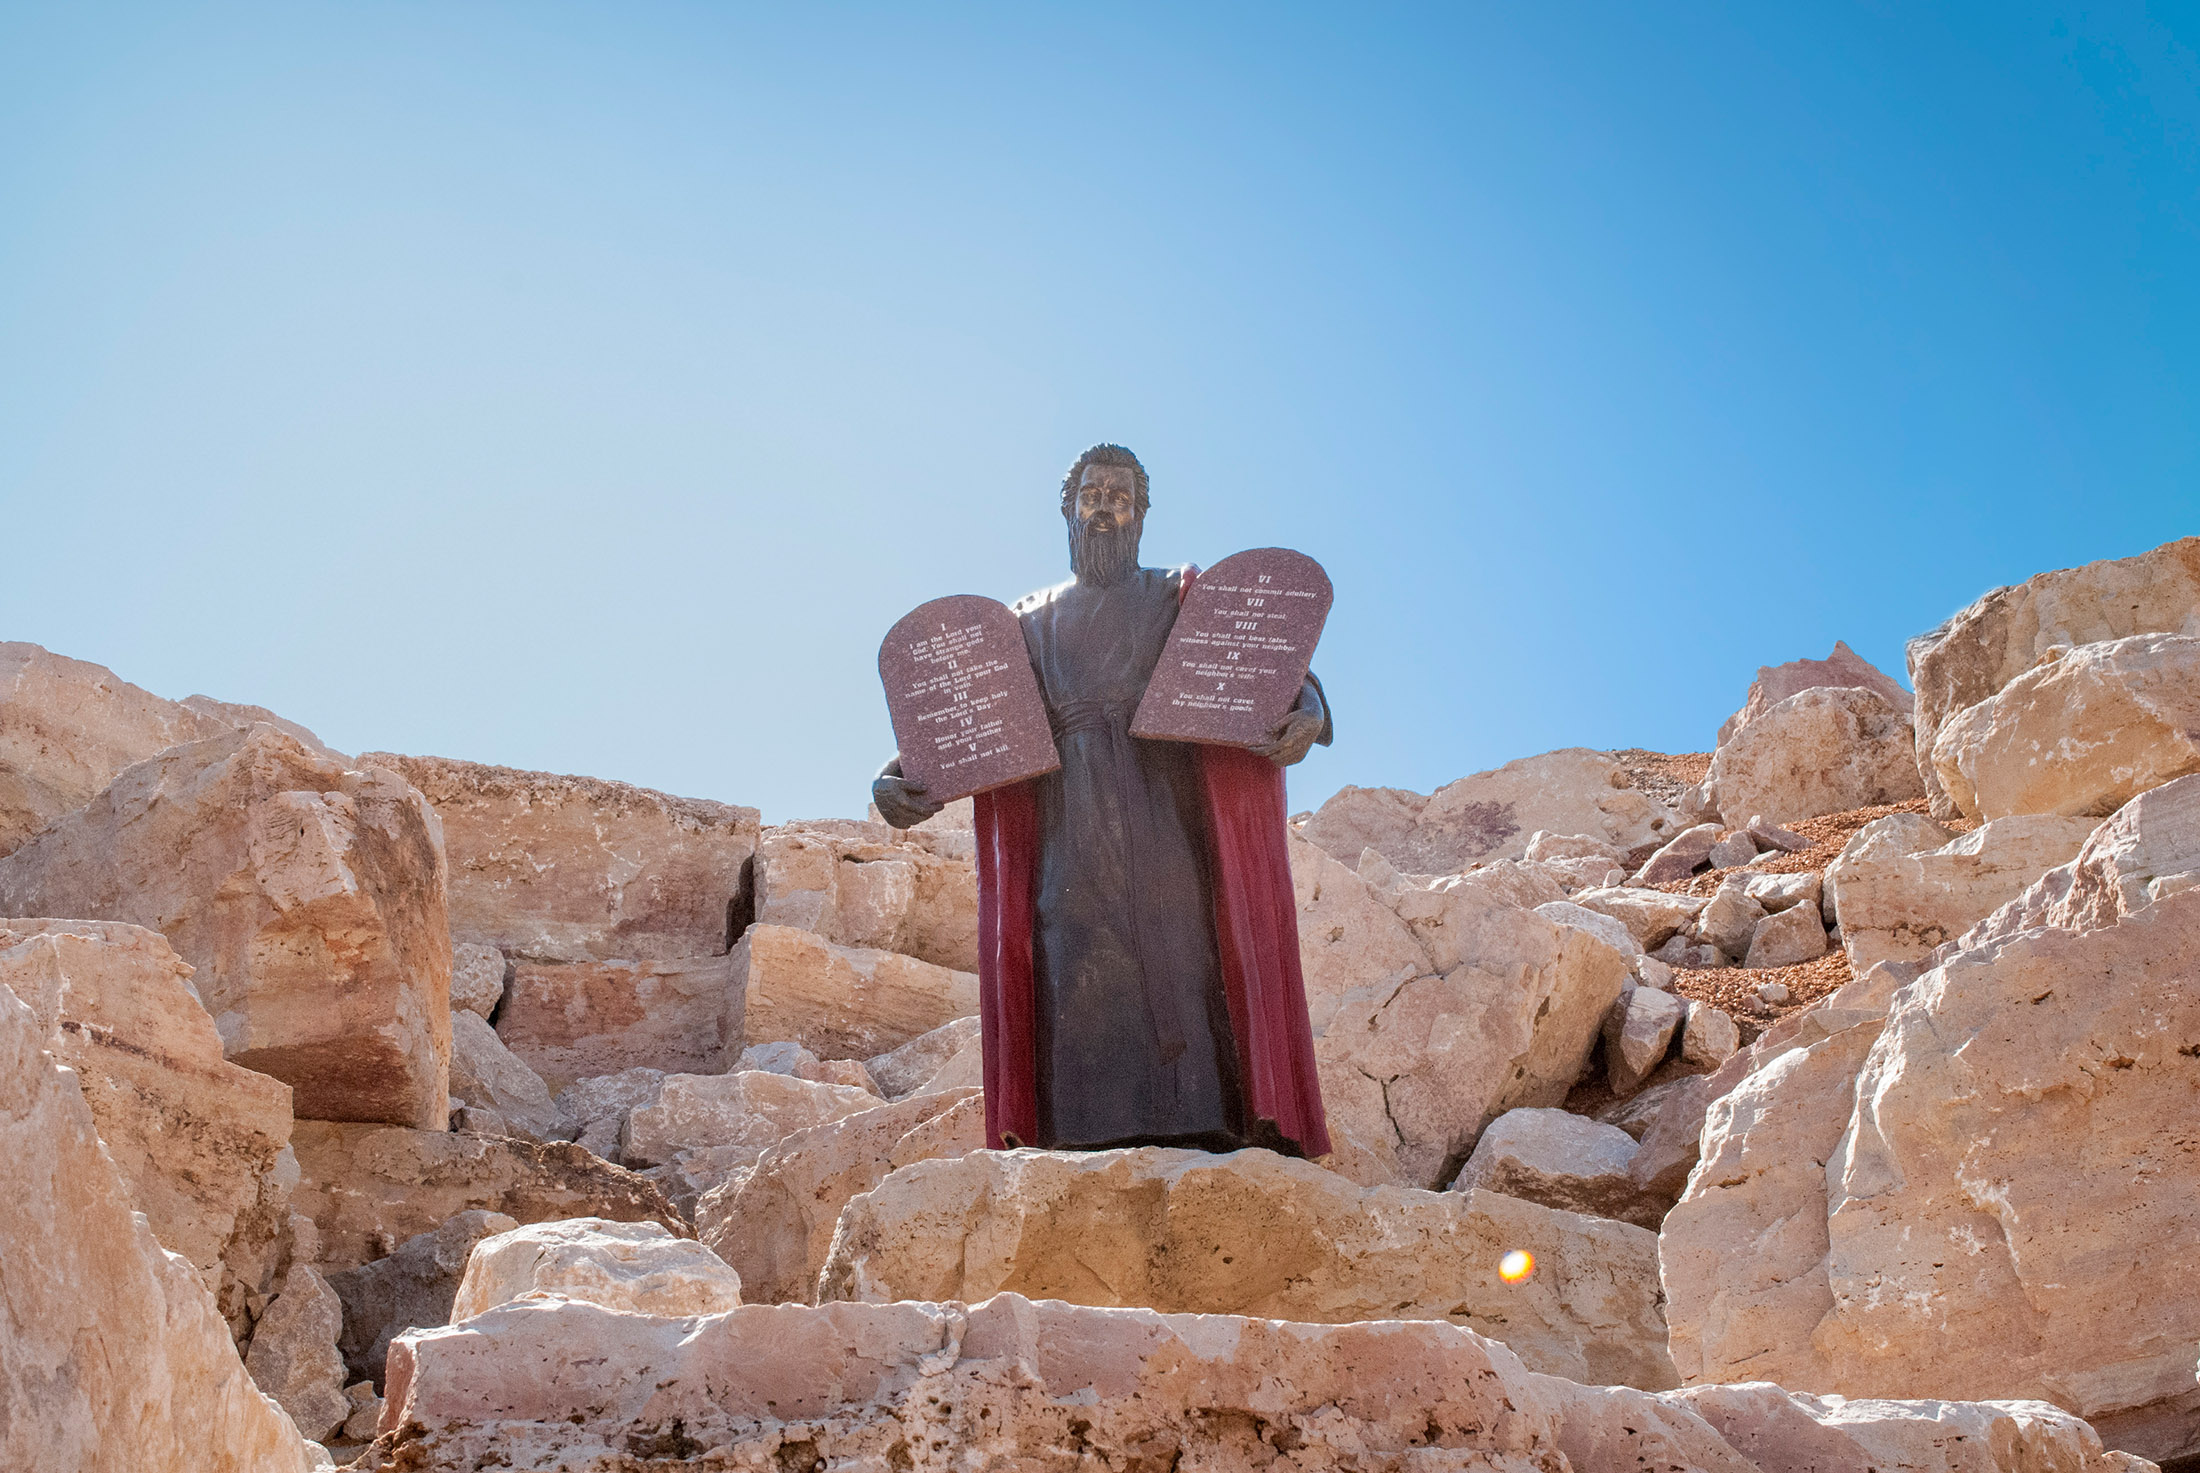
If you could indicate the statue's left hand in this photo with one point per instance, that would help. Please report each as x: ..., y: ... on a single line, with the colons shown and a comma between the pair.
x: 1292, y: 739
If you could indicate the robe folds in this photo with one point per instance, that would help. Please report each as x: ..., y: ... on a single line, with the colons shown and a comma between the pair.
x: 1043, y: 966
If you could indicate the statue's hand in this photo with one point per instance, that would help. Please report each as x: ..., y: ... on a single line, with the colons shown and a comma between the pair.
x: 901, y: 802
x: 1292, y: 739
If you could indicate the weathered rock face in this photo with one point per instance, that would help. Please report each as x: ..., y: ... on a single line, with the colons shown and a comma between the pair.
x: 1436, y: 1009
x: 775, y: 1222
x: 1012, y: 1383
x: 1980, y: 1197
x: 842, y: 1002
x: 2148, y: 851
x: 294, y: 1357
x: 635, y: 1267
x: 369, y: 1188
x: 913, y: 892
x: 68, y: 727
x: 202, y: 1145
x: 115, y: 1357
x: 735, y: 1115
x: 486, y: 1073
x: 1825, y: 750
x: 578, y: 1020
x: 554, y: 868
x: 1775, y: 683
x: 308, y: 898
x: 1492, y: 815
x: 1901, y: 907
x: 477, y: 978
x: 1255, y: 1233
x: 1560, y: 1160
x: 2079, y: 734
x: 411, y: 1288
x: 909, y: 1069
x: 2009, y: 1171
x: 1986, y: 646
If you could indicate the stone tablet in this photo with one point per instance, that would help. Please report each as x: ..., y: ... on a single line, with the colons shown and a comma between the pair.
x: 965, y: 704
x: 1239, y: 651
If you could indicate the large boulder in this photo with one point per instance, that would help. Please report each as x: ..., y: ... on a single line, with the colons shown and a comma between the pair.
x: 634, y: 1267
x: 2082, y: 732
x: 1844, y: 667
x: 2148, y: 850
x: 841, y: 1002
x: 1902, y: 907
x: 1977, y: 1196
x: 1997, y: 639
x: 1256, y: 1233
x: 1652, y: 916
x: 1437, y: 1007
x: 578, y: 1020
x: 368, y: 1188
x: 409, y: 1289
x: 1493, y: 815
x: 308, y: 898
x: 775, y: 1222
x: 114, y: 1356
x: 487, y: 1075
x: 294, y: 1356
x: 1561, y: 1160
x: 548, y: 867
x: 202, y: 1145
x: 1827, y: 749
x: 869, y: 885
x: 1017, y: 1384
x: 68, y: 728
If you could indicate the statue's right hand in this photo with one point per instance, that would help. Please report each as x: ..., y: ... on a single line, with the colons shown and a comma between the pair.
x: 901, y: 802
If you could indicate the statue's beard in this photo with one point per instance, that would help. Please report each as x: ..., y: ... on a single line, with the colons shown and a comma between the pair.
x: 1103, y: 557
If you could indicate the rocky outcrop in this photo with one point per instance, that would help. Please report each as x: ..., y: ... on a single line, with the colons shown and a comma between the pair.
x: 1997, y: 639
x: 1492, y: 815
x: 1436, y: 1007
x: 409, y: 1289
x: 68, y: 728
x: 2148, y: 851
x: 1255, y: 1233
x: 1903, y: 907
x: 548, y: 867
x: 868, y: 885
x: 115, y: 1357
x: 308, y: 898
x: 1844, y: 667
x: 2083, y: 732
x: 1828, y: 749
x: 841, y: 1002
x: 774, y: 1223
x: 1016, y: 1384
x: 634, y: 1267
x: 578, y: 1020
x: 369, y: 1188
x: 1977, y: 1195
x: 202, y: 1145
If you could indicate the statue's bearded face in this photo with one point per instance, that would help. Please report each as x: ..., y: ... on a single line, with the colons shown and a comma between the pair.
x: 1105, y: 524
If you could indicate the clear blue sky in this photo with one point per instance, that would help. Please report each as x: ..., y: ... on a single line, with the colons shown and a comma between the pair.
x: 588, y: 388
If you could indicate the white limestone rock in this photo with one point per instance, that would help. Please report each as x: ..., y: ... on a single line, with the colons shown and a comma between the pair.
x: 634, y: 1267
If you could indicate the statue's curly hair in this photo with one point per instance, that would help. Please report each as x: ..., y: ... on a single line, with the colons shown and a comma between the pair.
x: 1102, y: 455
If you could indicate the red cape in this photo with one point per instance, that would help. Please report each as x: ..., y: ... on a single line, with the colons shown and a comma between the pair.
x: 1256, y: 932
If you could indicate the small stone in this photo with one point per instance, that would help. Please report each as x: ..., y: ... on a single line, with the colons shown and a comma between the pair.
x: 1774, y: 994
x: 366, y: 1412
x: 1651, y: 972
x: 1709, y: 1037
x: 294, y: 1357
x: 477, y: 978
x: 1734, y: 850
x: 1793, y: 936
x: 1637, y: 1032
x: 636, y: 1267
x: 1560, y: 1160
x: 1679, y: 858
x: 1773, y: 837
x: 1730, y: 920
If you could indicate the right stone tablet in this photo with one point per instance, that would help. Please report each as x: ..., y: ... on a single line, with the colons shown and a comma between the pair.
x: 1238, y: 655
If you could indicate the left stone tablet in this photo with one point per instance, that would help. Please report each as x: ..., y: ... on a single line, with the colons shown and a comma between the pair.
x: 966, y: 707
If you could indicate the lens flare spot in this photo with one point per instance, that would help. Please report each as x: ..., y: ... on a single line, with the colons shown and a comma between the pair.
x: 1515, y: 1266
